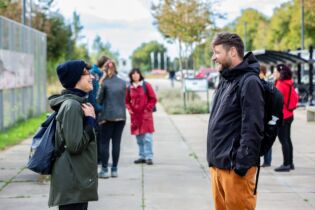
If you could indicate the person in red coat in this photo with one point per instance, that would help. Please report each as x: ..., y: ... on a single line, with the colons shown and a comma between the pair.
x: 140, y: 102
x: 283, y: 77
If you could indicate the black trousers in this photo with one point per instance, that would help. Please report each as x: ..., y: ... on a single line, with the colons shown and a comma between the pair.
x: 284, y: 135
x: 75, y: 206
x: 111, y: 131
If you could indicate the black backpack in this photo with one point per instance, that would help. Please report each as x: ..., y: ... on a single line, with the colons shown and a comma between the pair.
x: 144, y: 86
x: 272, y: 118
x: 273, y: 112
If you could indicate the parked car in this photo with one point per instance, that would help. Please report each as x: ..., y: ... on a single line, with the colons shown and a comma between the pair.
x: 187, y: 73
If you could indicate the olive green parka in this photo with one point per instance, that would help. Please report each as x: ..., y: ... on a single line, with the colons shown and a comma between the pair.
x: 74, y: 174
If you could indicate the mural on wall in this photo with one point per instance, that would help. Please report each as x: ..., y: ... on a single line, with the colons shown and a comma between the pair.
x: 16, y: 69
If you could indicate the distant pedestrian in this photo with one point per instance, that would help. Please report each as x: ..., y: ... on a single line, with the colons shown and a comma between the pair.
x: 73, y: 180
x: 236, y: 125
x: 268, y: 155
x: 284, y: 82
x: 97, y: 74
x: 140, y: 102
x: 112, y: 117
x: 172, y: 77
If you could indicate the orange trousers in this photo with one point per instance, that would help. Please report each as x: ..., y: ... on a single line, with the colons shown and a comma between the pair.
x: 231, y: 191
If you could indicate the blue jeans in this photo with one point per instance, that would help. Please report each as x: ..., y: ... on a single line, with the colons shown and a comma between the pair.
x: 145, y: 142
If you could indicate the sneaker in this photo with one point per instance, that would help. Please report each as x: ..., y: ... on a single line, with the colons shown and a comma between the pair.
x: 149, y: 162
x: 114, y: 173
x: 283, y: 168
x: 265, y: 165
x: 139, y: 161
x: 103, y: 174
x: 292, y: 167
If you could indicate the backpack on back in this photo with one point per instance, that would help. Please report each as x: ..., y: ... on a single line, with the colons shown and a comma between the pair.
x: 273, y: 113
x: 293, y: 99
x: 273, y: 117
x: 43, y: 153
x: 144, y: 86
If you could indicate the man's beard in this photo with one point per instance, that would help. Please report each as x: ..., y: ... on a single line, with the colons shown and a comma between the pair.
x: 224, y: 65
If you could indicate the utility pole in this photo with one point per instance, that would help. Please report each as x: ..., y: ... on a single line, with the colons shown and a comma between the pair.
x: 302, y: 24
x: 31, y: 13
x: 245, y: 34
x: 302, y: 34
x: 23, y: 12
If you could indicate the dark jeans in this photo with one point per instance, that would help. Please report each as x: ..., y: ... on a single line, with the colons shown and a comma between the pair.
x: 75, y: 206
x: 268, y: 157
x: 284, y: 135
x: 111, y: 131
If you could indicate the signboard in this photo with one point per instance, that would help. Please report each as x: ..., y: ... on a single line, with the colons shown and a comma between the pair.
x: 16, y: 69
x: 195, y: 85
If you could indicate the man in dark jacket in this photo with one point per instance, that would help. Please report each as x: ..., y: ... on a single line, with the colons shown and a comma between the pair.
x: 235, y: 126
x: 74, y: 174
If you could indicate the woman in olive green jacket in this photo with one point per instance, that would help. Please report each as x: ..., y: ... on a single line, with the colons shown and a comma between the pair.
x: 74, y: 174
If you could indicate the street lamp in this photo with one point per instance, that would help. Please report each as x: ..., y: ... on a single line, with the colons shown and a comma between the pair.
x: 245, y: 31
x: 302, y: 25
x: 23, y: 11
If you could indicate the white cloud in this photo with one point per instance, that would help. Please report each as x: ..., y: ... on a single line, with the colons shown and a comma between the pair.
x: 128, y: 23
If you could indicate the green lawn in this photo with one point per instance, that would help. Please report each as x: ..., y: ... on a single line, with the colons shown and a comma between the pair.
x: 20, y: 131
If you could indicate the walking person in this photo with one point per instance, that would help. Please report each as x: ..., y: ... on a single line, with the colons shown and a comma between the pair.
x: 284, y: 82
x: 97, y: 74
x: 112, y: 117
x: 236, y: 125
x: 140, y: 102
x: 74, y: 174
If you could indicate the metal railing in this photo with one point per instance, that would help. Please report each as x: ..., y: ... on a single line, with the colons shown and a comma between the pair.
x: 23, y: 55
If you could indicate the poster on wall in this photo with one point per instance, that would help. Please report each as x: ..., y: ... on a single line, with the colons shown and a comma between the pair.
x: 16, y: 69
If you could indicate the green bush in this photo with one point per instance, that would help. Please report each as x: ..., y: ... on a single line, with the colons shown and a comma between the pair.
x: 172, y: 102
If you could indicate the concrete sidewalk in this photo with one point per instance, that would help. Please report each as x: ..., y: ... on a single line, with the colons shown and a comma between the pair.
x: 179, y: 178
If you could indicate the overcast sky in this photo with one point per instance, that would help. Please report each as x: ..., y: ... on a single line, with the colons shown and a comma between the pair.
x: 128, y: 23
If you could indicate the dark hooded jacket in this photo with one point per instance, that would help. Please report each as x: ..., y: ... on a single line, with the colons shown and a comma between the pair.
x: 74, y: 173
x: 236, y: 122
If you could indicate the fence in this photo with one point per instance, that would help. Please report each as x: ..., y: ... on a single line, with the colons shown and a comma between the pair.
x: 22, y: 72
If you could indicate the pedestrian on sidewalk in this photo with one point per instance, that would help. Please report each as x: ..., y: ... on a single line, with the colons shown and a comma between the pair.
x: 172, y: 75
x: 236, y: 125
x: 112, y: 117
x: 284, y: 82
x: 97, y: 74
x: 268, y: 155
x: 140, y: 102
x: 74, y: 174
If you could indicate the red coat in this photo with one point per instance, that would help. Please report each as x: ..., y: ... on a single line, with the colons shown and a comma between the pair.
x: 140, y: 106
x: 284, y: 87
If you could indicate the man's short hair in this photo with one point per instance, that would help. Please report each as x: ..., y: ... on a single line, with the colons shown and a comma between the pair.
x: 228, y: 40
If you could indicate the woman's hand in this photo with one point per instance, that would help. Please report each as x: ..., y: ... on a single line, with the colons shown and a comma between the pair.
x: 88, y: 110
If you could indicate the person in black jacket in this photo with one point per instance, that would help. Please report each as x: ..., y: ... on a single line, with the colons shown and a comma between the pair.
x: 236, y: 125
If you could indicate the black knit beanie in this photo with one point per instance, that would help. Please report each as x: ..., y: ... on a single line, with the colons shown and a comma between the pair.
x: 69, y: 73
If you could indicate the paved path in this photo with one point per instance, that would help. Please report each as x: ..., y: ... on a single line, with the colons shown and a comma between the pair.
x: 179, y: 178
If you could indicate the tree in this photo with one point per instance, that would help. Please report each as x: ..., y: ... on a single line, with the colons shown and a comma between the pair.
x: 285, y: 26
x: 100, y: 48
x: 249, y: 25
x: 184, y: 21
x: 141, y: 56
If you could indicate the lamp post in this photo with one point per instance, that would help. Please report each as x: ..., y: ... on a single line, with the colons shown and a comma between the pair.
x: 302, y: 24
x: 245, y: 31
x: 23, y: 12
